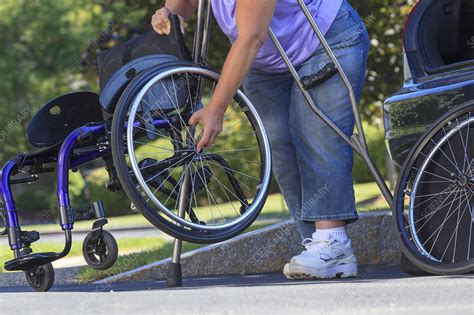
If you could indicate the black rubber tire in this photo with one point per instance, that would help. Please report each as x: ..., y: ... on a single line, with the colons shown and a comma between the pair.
x: 408, y: 247
x: 409, y: 268
x: 108, y: 251
x: 118, y: 153
x: 41, y: 279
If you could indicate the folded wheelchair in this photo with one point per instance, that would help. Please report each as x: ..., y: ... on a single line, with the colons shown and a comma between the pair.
x: 138, y: 125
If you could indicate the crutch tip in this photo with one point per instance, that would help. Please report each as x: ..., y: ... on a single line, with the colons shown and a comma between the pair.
x: 175, y: 276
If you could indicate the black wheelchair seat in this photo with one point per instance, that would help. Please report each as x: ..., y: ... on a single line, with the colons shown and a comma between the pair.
x: 45, y: 153
x: 61, y: 116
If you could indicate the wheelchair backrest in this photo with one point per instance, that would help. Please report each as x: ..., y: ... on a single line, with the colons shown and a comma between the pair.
x: 122, y: 63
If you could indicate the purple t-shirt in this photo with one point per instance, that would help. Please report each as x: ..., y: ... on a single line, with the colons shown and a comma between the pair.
x: 290, y: 26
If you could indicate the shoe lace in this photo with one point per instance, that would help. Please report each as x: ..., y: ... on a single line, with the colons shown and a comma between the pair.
x: 316, y: 245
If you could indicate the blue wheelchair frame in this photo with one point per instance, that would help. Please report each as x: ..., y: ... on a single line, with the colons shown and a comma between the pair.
x: 66, y: 160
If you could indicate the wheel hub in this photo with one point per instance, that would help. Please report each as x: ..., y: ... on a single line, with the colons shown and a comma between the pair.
x: 465, y: 182
x: 462, y: 181
x: 198, y: 152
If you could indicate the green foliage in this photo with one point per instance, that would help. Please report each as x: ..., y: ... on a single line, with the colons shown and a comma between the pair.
x: 34, y: 200
x: 38, y: 39
x: 76, y: 188
x: 384, y: 20
x: 42, y: 51
x: 376, y: 143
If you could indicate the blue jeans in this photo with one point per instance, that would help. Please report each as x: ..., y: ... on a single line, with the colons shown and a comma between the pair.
x: 311, y: 163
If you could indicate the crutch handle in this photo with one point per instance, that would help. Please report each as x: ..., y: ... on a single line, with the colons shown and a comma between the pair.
x: 313, y: 80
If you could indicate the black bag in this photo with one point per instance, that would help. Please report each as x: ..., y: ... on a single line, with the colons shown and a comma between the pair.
x: 150, y: 43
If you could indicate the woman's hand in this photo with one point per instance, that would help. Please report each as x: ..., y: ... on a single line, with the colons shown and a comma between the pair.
x: 161, y: 21
x: 211, y: 118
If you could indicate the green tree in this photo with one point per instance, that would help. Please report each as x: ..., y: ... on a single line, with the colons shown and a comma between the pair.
x: 42, y: 51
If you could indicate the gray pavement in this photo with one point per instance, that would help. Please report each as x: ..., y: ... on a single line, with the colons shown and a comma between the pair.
x: 378, y: 290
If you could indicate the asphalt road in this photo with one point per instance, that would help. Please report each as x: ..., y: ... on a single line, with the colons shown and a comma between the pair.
x: 378, y: 290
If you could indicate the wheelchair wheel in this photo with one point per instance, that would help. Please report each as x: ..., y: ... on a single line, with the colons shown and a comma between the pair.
x: 200, y: 197
x: 434, y: 210
x: 41, y: 278
x: 100, y: 253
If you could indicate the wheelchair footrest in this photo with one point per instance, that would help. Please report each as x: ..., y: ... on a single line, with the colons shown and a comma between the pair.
x: 29, y: 237
x: 31, y: 261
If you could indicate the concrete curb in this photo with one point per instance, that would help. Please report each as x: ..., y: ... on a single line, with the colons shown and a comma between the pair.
x: 267, y: 250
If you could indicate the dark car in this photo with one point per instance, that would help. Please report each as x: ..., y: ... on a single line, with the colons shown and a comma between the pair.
x: 439, y: 71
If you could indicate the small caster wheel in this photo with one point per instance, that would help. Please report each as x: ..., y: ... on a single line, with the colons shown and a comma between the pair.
x: 410, y: 268
x: 41, y: 278
x: 100, y: 253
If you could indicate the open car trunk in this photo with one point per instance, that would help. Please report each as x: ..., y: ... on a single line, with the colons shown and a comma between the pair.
x: 440, y: 36
x: 463, y: 48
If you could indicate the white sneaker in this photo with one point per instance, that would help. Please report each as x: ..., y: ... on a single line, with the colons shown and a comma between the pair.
x: 322, y: 259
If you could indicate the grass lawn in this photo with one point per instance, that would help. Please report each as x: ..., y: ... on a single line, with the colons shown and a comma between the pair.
x: 274, y: 207
x: 369, y: 191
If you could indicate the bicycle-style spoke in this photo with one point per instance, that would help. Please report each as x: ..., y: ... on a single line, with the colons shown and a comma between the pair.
x: 449, y: 214
x: 230, y: 191
x: 455, y: 231
x: 193, y: 183
x: 440, y: 227
x: 451, y: 150
x: 446, y: 156
x: 208, y: 191
x: 433, y: 181
x: 470, y: 232
x: 436, y: 175
x: 235, y: 172
x: 172, y: 166
x: 228, y: 156
x: 431, y: 215
x: 433, y: 161
x: 433, y: 196
x: 465, y: 157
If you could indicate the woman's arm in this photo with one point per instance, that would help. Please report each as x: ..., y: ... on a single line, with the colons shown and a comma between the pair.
x: 253, y: 20
x: 185, y: 8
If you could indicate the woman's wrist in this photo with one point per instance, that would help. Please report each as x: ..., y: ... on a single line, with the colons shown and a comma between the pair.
x: 182, y: 9
x: 218, y: 107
